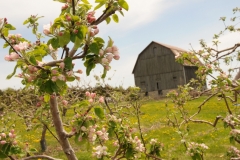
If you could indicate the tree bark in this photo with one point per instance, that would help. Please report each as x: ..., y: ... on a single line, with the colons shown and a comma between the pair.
x: 62, y: 135
x: 43, y: 143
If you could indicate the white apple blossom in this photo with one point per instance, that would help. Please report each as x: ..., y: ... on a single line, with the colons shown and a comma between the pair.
x: 100, y: 151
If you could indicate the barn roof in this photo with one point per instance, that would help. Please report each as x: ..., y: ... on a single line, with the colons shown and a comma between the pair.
x: 176, y: 51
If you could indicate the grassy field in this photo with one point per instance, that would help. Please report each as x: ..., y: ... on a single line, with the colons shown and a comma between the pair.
x: 155, y: 125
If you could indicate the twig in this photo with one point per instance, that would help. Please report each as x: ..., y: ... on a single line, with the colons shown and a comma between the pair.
x: 40, y: 156
x: 10, y: 44
x: 229, y: 110
x: 203, y: 121
x: 199, y: 109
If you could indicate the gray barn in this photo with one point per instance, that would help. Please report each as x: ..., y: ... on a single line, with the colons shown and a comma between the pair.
x: 156, y: 70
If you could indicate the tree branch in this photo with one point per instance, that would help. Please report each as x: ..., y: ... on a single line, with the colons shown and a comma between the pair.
x: 40, y: 156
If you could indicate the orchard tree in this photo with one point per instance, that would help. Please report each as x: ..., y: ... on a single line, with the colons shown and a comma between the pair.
x: 213, y: 64
x: 91, y: 123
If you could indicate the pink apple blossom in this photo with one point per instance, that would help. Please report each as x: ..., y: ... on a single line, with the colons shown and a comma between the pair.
x: 96, y: 31
x: 22, y: 46
x: 62, y: 78
x: 54, y: 78
x: 3, y: 142
x: 62, y: 65
x: 114, y: 48
x: 8, y: 58
x: 14, y: 143
x: 88, y: 94
x: 79, y: 71
x: 109, y: 57
x: 93, y: 95
x: 3, y: 135
x: 18, y: 35
x: 90, y: 100
x: 101, y: 99
x: 116, y: 57
x: 104, y: 60
x: 54, y: 71
x: 46, y: 29
x: 12, y: 131
x: 14, y: 56
x: 109, y: 50
x: 65, y: 102
x: 107, y: 67
x: 101, y: 52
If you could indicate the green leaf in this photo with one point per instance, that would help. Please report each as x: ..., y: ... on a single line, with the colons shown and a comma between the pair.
x: 82, y: 31
x: 73, y: 37
x: 129, y: 153
x: 110, y: 42
x: 99, y: 40
x: 55, y: 43
x: 33, y: 60
x: 121, y: 13
x: 9, y: 26
x: 123, y: 4
x: 60, y: 83
x: 77, y: 43
x: 83, y: 103
x: 68, y: 63
x: 12, y: 74
x: 70, y: 79
x: 85, y: 1
x: 100, y: 1
x: 46, y: 97
x: 99, y: 112
x: 94, y: 48
x: 99, y: 6
x: 90, y: 66
x: 47, y: 87
x: 2, y: 154
x: 5, y: 45
x: 104, y: 73
x: 115, y: 18
x: 108, y: 19
x: 26, y: 21
x: 64, y: 39
x: 5, y: 31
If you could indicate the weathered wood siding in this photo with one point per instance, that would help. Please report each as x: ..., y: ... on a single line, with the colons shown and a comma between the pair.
x: 190, y: 72
x: 156, y: 69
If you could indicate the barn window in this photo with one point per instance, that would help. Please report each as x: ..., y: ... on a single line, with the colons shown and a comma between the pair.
x: 154, y: 51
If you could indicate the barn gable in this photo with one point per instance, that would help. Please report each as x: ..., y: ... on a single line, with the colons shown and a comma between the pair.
x: 156, y: 69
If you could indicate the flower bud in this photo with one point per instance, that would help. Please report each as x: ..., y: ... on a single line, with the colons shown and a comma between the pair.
x: 88, y: 94
x: 65, y: 103
x: 8, y: 58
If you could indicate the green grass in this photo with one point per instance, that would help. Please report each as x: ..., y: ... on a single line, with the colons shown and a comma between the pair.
x: 154, y: 125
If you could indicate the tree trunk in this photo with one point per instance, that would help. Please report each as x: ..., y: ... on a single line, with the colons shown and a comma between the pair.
x: 57, y: 121
x: 43, y: 143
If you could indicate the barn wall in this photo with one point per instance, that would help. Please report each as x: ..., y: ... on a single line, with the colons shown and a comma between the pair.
x: 156, y: 69
x: 190, y: 73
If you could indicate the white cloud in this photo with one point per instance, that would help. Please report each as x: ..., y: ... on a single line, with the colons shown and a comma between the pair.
x: 17, y: 11
x: 141, y: 12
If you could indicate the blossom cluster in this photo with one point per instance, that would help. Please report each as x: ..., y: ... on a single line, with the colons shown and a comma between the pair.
x: 233, y: 152
x: 196, y: 148
x: 100, y: 151
x: 138, y: 144
x: 91, y: 97
x: 8, y: 138
x: 107, y: 55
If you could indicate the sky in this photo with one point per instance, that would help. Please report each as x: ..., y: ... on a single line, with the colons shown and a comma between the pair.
x: 177, y: 22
